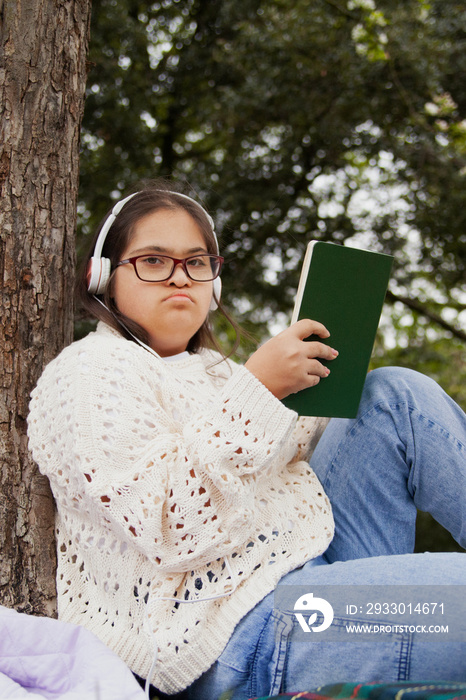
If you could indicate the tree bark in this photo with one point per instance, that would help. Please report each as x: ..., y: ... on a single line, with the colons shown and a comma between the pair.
x: 43, y: 48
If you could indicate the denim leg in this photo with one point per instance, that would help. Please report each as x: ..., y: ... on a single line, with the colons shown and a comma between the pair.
x: 405, y: 450
x: 263, y: 657
x: 397, y: 656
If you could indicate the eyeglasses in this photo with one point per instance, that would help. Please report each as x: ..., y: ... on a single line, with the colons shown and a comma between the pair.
x: 158, y: 268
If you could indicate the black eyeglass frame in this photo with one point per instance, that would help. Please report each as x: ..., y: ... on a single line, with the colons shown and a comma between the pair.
x: 176, y: 261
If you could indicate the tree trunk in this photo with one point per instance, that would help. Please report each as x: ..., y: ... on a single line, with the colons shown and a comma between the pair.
x: 43, y: 46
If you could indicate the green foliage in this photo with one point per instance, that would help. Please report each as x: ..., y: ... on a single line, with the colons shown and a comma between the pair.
x: 432, y: 537
x: 341, y: 121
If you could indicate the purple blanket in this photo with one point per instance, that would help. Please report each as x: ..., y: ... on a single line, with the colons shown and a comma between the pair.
x: 44, y: 658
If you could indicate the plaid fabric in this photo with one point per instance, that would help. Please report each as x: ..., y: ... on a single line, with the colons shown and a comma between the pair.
x: 439, y: 690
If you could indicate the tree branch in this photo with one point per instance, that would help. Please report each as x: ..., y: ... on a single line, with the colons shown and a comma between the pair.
x: 431, y: 315
x: 340, y: 9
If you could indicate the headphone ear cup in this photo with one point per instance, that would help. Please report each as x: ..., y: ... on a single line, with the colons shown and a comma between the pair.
x: 98, y: 273
x: 217, y: 291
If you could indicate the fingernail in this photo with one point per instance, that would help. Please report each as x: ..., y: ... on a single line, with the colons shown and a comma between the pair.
x: 334, y: 352
x: 327, y: 371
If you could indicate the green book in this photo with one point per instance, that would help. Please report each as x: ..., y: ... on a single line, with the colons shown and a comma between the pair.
x: 343, y: 288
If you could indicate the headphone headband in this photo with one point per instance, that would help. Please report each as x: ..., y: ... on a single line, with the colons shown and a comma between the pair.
x: 99, y: 268
x: 109, y: 223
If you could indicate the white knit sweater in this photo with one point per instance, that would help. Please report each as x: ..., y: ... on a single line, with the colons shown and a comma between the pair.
x: 167, y: 477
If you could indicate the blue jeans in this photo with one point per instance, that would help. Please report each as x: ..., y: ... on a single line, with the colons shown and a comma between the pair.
x: 406, y: 450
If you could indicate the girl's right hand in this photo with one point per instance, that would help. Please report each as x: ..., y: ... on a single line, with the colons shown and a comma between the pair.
x: 287, y: 363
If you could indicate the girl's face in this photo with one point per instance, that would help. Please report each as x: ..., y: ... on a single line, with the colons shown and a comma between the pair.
x: 171, y: 311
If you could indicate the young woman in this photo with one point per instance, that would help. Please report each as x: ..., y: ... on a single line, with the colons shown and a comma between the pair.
x: 183, y: 486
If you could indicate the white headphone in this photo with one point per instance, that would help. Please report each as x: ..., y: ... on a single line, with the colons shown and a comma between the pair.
x: 99, y: 268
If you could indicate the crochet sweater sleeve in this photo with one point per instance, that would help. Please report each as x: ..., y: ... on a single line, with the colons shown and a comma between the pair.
x: 168, y: 461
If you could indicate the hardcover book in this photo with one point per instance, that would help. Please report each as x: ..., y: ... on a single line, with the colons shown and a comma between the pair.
x: 343, y: 288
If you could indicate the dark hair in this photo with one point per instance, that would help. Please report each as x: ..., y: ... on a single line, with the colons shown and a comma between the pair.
x: 149, y: 197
